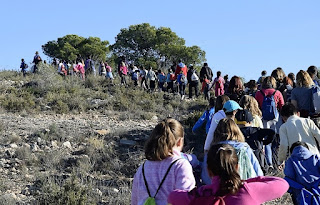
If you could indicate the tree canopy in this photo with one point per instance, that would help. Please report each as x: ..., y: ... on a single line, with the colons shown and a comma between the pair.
x: 144, y: 43
x: 73, y: 47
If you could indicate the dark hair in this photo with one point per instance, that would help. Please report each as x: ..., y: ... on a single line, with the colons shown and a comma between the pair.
x: 221, y: 99
x: 212, y: 101
x: 288, y: 110
x: 218, y: 73
x: 235, y: 85
x: 162, y: 139
x: 226, y: 77
x: 292, y: 76
x: 296, y: 144
x: 264, y: 72
x: 223, y: 162
x: 312, y: 70
x: 205, y: 64
x: 22, y: 59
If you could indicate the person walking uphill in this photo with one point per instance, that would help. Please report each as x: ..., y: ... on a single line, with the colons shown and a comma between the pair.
x: 36, y: 60
x: 206, y: 71
x: 218, y: 83
x: 193, y: 80
x: 164, y: 164
x: 227, y: 187
x: 180, y: 67
x: 296, y: 129
x: 23, y: 67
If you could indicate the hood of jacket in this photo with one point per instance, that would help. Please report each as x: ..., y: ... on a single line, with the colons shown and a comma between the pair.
x: 301, y: 152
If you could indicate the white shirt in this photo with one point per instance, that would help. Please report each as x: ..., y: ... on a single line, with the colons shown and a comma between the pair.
x: 214, y: 123
x: 298, y: 129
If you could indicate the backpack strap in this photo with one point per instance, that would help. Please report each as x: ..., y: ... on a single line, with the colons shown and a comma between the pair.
x: 146, y: 183
x: 264, y: 95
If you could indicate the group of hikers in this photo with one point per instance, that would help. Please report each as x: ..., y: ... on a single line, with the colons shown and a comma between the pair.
x: 253, y: 132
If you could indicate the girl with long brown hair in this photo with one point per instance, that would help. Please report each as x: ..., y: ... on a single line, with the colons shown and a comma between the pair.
x: 164, y: 170
x: 227, y: 186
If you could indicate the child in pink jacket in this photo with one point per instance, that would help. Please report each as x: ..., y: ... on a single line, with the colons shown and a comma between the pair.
x: 227, y: 187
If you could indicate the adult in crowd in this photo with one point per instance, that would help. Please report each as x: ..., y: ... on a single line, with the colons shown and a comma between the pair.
x: 163, y: 153
x: 292, y: 76
x: 235, y: 90
x: 193, y: 80
x: 206, y: 71
x: 227, y: 186
x: 301, y: 96
x: 218, y: 84
x: 226, y: 82
x: 36, y: 60
x: 268, y: 93
x: 181, y: 67
x: 296, y: 129
x: 278, y: 74
x: 313, y: 72
x: 261, y: 78
x: 152, y: 77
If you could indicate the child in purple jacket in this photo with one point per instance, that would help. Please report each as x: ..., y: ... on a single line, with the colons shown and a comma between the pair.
x: 165, y: 163
x: 227, y: 187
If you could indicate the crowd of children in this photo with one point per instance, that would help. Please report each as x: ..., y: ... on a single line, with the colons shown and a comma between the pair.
x: 252, y: 130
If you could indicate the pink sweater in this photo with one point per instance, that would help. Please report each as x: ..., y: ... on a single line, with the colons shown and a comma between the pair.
x: 278, y: 98
x: 254, y: 191
x: 180, y: 177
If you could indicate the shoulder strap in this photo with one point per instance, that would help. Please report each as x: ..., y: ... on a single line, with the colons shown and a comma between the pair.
x: 146, y: 183
x: 274, y: 92
x: 263, y: 93
x: 165, y: 176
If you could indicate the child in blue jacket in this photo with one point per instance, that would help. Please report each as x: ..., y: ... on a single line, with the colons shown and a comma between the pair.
x: 206, y: 117
x: 302, y: 173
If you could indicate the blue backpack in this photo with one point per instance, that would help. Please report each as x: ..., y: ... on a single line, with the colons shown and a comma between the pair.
x: 269, y: 109
x: 134, y: 76
x: 303, y: 195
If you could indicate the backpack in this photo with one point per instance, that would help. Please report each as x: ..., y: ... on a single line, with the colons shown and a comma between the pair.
x: 152, y: 200
x: 303, y: 195
x: 183, y: 79
x: 219, y: 84
x: 134, y: 76
x: 246, y: 170
x: 205, y: 198
x: 269, y: 109
x: 194, y: 76
x: 316, y: 98
x: 172, y: 76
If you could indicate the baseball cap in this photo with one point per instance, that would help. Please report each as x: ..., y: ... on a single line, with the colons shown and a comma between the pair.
x: 244, y: 116
x: 231, y: 105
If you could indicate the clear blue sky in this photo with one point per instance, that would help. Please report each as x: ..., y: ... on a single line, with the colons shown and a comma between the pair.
x: 240, y: 37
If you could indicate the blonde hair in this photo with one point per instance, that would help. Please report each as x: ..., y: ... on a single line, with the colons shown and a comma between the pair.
x: 304, y: 79
x: 227, y: 129
x: 162, y: 139
x: 250, y: 103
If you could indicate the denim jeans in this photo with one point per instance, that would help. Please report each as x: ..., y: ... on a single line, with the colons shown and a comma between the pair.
x: 271, y: 124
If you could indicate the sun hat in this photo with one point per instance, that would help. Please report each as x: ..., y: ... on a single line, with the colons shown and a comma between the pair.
x: 231, y: 105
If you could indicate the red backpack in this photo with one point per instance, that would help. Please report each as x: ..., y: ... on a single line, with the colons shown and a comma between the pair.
x: 205, y: 198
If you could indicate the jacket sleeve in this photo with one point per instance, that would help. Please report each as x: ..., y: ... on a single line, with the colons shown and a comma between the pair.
x: 134, y: 192
x: 255, y: 162
x: 184, y: 176
x: 314, y: 130
x: 209, y: 138
x: 289, y: 170
x: 264, y: 189
x: 200, y: 121
x: 283, y: 148
x: 280, y: 102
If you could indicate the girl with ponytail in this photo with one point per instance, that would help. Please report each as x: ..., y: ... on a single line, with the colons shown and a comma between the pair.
x: 165, y: 169
x: 227, y: 187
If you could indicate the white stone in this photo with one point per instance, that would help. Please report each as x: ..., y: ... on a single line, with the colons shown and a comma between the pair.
x: 67, y: 144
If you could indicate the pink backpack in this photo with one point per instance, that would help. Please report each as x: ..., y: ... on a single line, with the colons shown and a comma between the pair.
x: 205, y: 198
